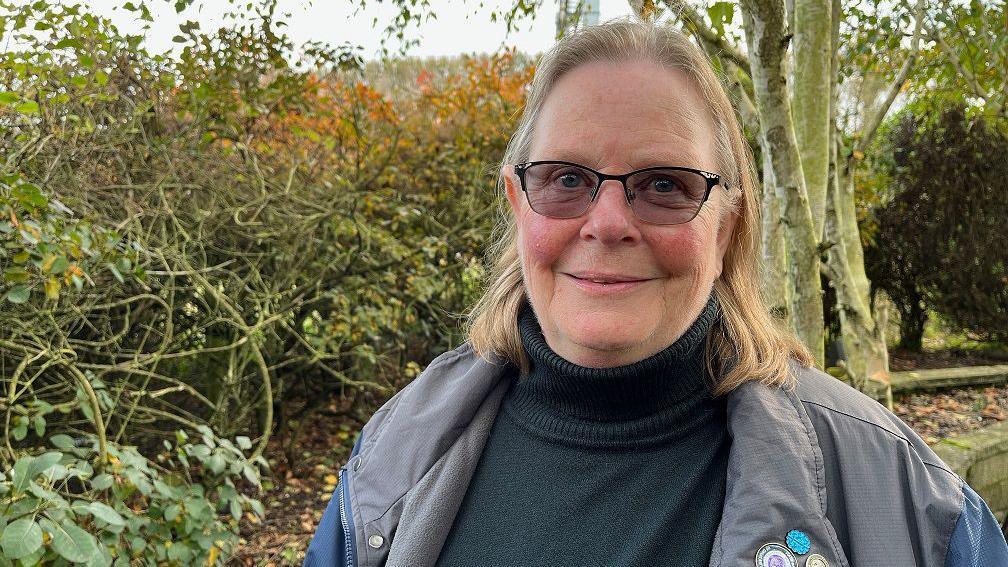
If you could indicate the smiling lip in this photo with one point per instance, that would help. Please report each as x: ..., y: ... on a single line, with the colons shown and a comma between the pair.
x: 605, y: 284
x: 597, y: 277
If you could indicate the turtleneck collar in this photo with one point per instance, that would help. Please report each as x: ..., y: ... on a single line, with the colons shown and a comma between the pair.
x: 658, y: 398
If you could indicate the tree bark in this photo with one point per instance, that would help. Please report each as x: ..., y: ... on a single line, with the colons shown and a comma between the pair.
x: 862, y: 329
x: 774, y: 251
x: 812, y: 88
x: 913, y: 317
x: 765, y: 25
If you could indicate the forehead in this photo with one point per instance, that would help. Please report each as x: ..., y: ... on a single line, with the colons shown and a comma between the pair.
x: 629, y: 114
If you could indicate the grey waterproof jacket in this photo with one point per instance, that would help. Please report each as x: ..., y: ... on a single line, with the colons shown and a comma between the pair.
x: 819, y: 476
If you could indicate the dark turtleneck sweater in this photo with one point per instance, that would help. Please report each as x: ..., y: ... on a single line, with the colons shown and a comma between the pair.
x: 621, y: 466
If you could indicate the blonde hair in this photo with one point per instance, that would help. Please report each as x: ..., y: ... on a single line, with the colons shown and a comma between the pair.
x: 746, y: 338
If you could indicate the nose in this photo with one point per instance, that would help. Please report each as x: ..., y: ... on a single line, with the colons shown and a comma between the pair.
x: 610, y: 219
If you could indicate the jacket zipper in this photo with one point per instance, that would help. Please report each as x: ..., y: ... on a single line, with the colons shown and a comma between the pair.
x: 343, y: 519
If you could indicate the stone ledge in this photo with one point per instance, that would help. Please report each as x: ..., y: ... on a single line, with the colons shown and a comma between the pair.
x: 914, y: 380
x: 981, y: 457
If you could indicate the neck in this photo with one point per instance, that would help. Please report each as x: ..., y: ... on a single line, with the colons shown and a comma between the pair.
x: 671, y: 385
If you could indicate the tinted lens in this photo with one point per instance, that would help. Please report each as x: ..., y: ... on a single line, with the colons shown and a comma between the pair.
x: 667, y: 196
x: 556, y: 190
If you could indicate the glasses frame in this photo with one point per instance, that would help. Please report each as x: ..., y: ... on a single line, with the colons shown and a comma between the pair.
x: 712, y: 180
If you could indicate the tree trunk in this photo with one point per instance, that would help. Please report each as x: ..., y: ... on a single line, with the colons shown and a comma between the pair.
x: 764, y: 22
x: 812, y: 60
x: 775, y: 261
x: 863, y: 334
x: 913, y: 317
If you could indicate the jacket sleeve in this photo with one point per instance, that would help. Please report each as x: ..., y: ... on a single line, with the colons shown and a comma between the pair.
x: 977, y: 540
x: 332, y: 545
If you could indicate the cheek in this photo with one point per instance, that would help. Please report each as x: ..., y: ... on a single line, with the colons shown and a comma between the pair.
x: 686, y: 249
x: 542, y: 241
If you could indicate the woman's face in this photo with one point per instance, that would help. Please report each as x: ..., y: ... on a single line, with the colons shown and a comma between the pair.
x: 615, y: 118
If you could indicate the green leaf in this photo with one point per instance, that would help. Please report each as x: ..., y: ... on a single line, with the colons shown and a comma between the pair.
x: 257, y: 507
x: 20, y: 430
x: 8, y: 97
x: 52, y: 288
x: 59, y: 264
x: 172, y: 512
x: 956, y: 443
x: 18, y: 293
x: 44, y: 462
x: 102, y: 481
x: 17, y: 275
x: 251, y: 474
x: 21, y: 469
x: 115, y: 272
x: 43, y: 494
x: 137, y: 544
x: 106, y: 513
x: 28, y: 107
x: 68, y: 42
x: 62, y: 441
x: 71, y: 542
x: 721, y: 13
x: 216, y: 463
x: 21, y: 538
x: 243, y: 442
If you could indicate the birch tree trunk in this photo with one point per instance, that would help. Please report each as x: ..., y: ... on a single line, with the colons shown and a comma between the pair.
x: 862, y: 329
x: 863, y: 334
x: 774, y: 251
x: 765, y: 25
x: 811, y: 85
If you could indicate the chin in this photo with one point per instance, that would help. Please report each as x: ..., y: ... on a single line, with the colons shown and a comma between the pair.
x: 608, y: 332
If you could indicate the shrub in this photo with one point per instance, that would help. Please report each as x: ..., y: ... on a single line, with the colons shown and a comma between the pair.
x: 936, y: 237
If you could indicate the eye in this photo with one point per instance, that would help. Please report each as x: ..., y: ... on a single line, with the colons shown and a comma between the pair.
x: 665, y: 184
x: 569, y: 180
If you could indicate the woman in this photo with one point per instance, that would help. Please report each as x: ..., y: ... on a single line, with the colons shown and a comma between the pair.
x: 624, y: 398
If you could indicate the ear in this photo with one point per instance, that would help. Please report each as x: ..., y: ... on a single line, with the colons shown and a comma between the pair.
x: 512, y: 189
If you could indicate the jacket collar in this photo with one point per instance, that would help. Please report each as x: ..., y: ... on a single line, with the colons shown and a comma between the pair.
x: 425, y: 444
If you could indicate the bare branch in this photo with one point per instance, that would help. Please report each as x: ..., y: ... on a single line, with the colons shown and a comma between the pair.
x: 967, y: 75
x: 695, y: 23
x: 872, y: 122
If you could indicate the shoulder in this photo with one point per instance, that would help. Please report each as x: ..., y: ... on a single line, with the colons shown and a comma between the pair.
x: 444, y: 393
x: 856, y: 421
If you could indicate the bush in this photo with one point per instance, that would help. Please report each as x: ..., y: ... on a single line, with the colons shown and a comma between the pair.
x: 211, y: 246
x: 937, y: 234
x: 55, y: 503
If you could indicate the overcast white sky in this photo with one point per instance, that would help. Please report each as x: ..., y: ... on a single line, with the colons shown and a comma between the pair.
x: 457, y: 29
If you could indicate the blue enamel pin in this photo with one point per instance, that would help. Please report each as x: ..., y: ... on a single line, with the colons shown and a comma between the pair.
x: 798, y: 542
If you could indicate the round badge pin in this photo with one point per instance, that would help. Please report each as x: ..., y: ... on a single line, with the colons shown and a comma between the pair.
x: 775, y: 555
x: 798, y: 542
x: 816, y: 560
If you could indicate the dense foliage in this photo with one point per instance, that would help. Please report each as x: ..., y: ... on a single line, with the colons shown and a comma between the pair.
x: 936, y: 234
x: 208, y: 247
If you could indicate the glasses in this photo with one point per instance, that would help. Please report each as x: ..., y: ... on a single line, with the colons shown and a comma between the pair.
x: 657, y: 195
